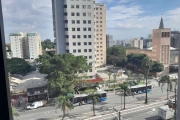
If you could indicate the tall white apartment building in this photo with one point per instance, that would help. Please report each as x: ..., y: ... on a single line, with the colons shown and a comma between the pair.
x: 138, y: 43
x: 100, y: 33
x: 73, y: 22
x: 25, y: 45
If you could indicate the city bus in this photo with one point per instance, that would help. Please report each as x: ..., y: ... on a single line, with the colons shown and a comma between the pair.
x: 83, y: 98
x: 140, y: 89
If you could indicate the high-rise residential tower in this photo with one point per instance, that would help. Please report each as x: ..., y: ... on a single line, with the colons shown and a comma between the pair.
x: 73, y: 22
x: 25, y: 45
x: 100, y: 33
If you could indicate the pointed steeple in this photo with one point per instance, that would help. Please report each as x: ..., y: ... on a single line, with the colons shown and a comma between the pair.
x: 161, y: 26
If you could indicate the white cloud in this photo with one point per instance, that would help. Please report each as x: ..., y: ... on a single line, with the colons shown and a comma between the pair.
x: 122, y: 12
x: 123, y: 1
x: 123, y: 21
x: 28, y: 16
x: 104, y: 1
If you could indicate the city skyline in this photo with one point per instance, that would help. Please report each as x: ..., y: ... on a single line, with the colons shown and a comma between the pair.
x: 137, y: 17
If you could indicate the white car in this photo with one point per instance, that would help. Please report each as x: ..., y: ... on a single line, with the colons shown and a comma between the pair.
x: 171, y: 101
x: 35, y: 105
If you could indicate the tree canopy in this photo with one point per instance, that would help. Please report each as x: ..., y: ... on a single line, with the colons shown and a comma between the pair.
x: 138, y: 59
x: 18, y: 66
x: 115, y: 54
x: 47, y: 44
x: 62, y: 71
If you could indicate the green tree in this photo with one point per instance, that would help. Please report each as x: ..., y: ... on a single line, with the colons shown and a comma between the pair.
x: 126, y: 90
x: 18, y: 66
x: 146, y: 65
x: 47, y: 44
x: 62, y: 71
x: 156, y: 67
x: 14, y: 112
x: 166, y: 80
x: 64, y: 104
x: 115, y: 54
x: 95, y: 97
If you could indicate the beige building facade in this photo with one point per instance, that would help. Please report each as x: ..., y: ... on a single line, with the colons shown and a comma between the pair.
x: 100, y: 34
x: 160, y: 46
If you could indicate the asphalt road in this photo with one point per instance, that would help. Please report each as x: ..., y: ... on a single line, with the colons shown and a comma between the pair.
x: 85, y: 111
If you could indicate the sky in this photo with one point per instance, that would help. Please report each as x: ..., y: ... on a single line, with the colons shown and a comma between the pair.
x: 125, y: 19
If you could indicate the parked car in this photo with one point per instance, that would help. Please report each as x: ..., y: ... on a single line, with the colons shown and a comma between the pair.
x: 36, y: 105
x: 171, y: 101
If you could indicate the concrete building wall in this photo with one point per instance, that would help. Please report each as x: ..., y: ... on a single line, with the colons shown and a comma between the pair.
x: 100, y: 33
x: 109, y: 40
x: 160, y: 47
x: 175, y: 39
x: 25, y: 46
x: 74, y: 29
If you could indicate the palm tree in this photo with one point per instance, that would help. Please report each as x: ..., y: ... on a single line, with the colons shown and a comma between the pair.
x: 146, y: 65
x: 126, y: 90
x: 14, y: 112
x: 166, y: 80
x: 65, y: 104
x: 95, y: 100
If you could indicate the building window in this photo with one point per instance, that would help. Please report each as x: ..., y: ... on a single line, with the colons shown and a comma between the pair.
x: 90, y: 50
x: 85, y: 36
x: 78, y: 36
x: 89, y: 6
x: 72, y: 6
x: 89, y: 43
x: 85, y: 43
x: 73, y: 21
x: 84, y: 21
x: 85, y: 57
x: 90, y: 57
x: 72, y: 14
x: 73, y: 36
x: 84, y: 14
x: 65, y: 6
x: 66, y: 21
x: 100, y: 25
x: 65, y: 14
x: 84, y: 6
x: 66, y: 29
x: 73, y: 29
x: 78, y: 21
x: 77, y: 14
x: 78, y: 29
x: 79, y: 43
x: 74, y: 44
x: 89, y: 36
x: 74, y: 51
x: 67, y: 44
x: 85, y: 50
x: 84, y: 29
x: 67, y: 36
x: 77, y: 6
x: 89, y: 14
x: 89, y: 21
x: 96, y: 8
x: 89, y: 29
x: 79, y: 50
